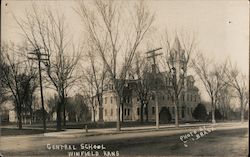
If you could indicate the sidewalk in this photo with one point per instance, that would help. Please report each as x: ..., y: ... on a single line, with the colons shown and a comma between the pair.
x: 109, y: 131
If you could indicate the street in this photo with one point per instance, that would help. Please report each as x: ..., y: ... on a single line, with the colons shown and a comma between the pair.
x: 229, y: 140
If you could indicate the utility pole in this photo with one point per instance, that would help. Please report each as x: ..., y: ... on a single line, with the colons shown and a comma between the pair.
x: 153, y: 56
x: 39, y: 58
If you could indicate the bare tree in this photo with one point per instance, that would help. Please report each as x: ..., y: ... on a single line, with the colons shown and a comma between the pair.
x: 178, y: 58
x: 89, y: 96
x: 52, y: 102
x: 141, y: 73
x: 46, y: 31
x: 224, y: 101
x: 3, y: 67
x: 80, y: 108
x: 213, y: 77
x: 17, y: 77
x: 113, y: 35
x: 238, y: 81
x: 94, y: 77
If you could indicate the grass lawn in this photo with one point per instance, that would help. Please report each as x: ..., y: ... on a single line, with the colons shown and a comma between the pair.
x: 92, y: 125
x: 16, y: 131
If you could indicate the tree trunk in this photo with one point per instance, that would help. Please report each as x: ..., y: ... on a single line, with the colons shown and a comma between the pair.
x: 213, y: 116
x: 58, y: 117
x: 64, y: 109
x: 118, y: 125
x: 64, y: 115
x: 30, y: 110
x: 176, y: 112
x: 93, y: 115
x: 20, y: 124
x: 242, y: 114
x: 99, y: 98
x: 146, y: 112
x: 19, y: 116
x: 213, y: 111
x: 122, y: 112
x: 142, y: 105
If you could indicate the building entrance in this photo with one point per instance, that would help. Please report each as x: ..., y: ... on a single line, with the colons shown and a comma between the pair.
x: 165, y: 116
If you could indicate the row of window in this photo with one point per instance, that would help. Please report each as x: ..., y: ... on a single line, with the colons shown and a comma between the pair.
x: 106, y: 112
x: 145, y: 110
x: 106, y: 100
x: 169, y: 97
x: 189, y: 110
x: 126, y: 100
x: 126, y: 112
x: 169, y: 82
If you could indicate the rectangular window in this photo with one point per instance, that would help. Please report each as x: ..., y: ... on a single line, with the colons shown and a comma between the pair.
x: 153, y: 110
x: 138, y: 111
x: 125, y: 112
x: 128, y: 111
x: 111, y: 112
x: 145, y: 110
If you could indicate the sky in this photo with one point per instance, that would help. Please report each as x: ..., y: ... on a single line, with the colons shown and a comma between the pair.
x: 221, y: 27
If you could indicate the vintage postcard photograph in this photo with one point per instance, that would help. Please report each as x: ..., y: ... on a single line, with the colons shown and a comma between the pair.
x: 116, y: 78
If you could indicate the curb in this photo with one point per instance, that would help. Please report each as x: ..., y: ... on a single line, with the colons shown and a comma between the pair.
x: 83, y: 134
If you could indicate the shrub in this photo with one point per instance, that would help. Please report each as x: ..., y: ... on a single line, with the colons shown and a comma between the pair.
x: 200, y: 112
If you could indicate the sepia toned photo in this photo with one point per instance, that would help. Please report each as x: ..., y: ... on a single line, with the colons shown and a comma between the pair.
x: 124, y: 78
